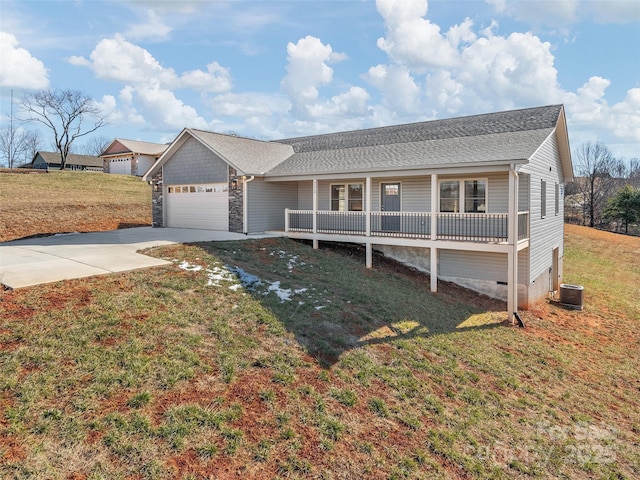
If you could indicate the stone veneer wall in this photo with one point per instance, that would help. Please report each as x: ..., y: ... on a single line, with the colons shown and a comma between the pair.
x: 236, y: 208
x: 157, y: 217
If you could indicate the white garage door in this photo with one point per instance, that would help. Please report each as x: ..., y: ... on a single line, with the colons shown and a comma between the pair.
x: 122, y: 167
x: 198, y: 206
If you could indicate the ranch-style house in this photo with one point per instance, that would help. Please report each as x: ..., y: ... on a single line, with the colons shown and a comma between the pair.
x: 475, y: 200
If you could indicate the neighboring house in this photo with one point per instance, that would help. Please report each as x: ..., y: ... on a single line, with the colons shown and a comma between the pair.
x: 130, y: 157
x: 475, y: 200
x: 51, y: 161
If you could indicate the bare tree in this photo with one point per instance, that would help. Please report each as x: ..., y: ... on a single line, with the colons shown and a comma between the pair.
x: 18, y: 145
x: 634, y: 172
x: 65, y: 113
x: 597, y: 168
x: 96, y: 145
x: 32, y: 143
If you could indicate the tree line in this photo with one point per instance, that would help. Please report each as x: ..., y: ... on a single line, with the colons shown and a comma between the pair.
x: 605, y: 193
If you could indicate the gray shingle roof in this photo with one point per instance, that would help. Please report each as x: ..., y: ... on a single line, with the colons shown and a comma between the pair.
x: 72, y: 159
x: 489, y: 138
x: 494, y: 137
x: 490, y: 123
x: 135, y: 146
x: 490, y: 148
x: 252, y: 157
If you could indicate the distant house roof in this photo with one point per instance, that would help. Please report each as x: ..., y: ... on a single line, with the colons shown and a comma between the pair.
x: 53, y: 158
x: 121, y: 145
x: 494, y: 138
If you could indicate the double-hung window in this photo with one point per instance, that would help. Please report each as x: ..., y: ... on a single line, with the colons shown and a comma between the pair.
x: 469, y: 196
x: 347, y: 197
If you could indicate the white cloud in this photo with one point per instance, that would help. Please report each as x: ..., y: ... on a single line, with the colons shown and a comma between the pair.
x: 627, y: 117
x: 613, y: 11
x: 400, y: 90
x: 148, y: 85
x: 459, y: 71
x: 163, y: 108
x: 307, y: 70
x: 20, y: 69
x: 250, y: 105
x: 563, y: 13
x: 588, y: 108
x: 125, y: 114
x: 555, y: 13
x: 119, y: 60
x: 413, y: 40
x: 215, y: 79
x: 151, y: 29
x: 352, y: 103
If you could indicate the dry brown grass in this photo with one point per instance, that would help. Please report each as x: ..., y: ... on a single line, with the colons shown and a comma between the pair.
x: 60, y: 202
x: 157, y: 374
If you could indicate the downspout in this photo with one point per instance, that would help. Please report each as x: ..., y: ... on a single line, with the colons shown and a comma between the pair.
x: 245, y: 208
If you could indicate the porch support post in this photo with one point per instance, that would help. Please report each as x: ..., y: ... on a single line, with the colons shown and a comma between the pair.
x: 367, y: 208
x: 434, y: 233
x: 286, y: 219
x: 434, y: 206
x: 315, y: 212
x: 512, y: 256
x: 433, y: 267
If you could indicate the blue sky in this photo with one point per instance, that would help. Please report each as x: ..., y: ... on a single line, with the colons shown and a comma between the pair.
x: 276, y: 69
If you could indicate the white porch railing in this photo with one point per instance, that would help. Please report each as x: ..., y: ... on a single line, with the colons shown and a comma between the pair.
x: 468, y: 227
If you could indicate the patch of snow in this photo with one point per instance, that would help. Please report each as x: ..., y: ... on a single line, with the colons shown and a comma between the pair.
x: 284, y: 294
x: 190, y: 267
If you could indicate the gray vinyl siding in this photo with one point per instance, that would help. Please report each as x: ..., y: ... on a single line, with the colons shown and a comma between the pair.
x: 476, y: 265
x: 305, y: 195
x: 498, y: 193
x: 194, y: 163
x: 266, y: 203
x: 523, y: 192
x: 546, y: 233
x: 479, y: 265
x: 415, y: 193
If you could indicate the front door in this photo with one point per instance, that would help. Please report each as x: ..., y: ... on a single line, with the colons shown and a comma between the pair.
x: 390, y: 199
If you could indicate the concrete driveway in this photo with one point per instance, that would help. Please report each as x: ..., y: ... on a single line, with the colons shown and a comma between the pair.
x: 34, y: 261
